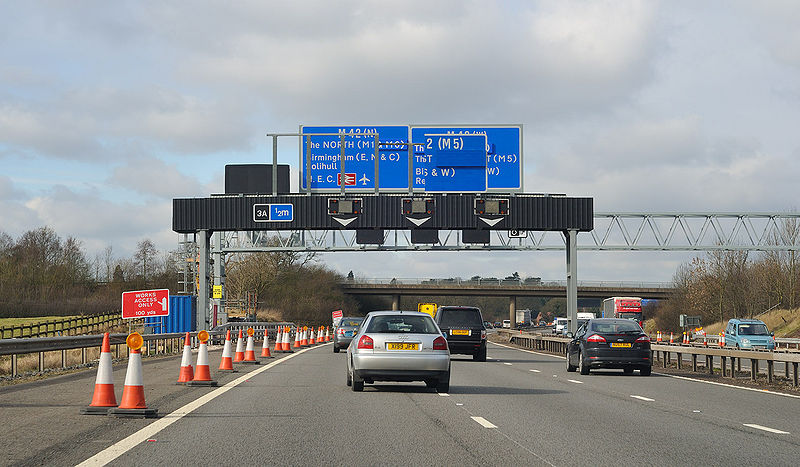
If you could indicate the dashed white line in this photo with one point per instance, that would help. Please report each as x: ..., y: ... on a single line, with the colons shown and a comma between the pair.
x: 485, y: 423
x: 642, y: 398
x: 506, y: 363
x: 535, y: 371
x: 444, y: 394
x: 766, y: 428
x: 575, y: 381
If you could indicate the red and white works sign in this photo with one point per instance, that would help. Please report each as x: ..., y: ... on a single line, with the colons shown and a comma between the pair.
x: 144, y: 303
x: 337, y: 317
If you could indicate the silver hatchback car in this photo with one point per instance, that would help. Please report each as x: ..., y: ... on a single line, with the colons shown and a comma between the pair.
x: 398, y: 346
x: 344, y: 332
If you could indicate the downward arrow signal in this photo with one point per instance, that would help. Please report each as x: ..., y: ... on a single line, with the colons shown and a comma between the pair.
x: 418, y: 222
x: 491, y: 222
x: 345, y: 222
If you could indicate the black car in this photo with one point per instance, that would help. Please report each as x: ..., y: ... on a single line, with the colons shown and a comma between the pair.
x: 609, y: 343
x: 463, y: 327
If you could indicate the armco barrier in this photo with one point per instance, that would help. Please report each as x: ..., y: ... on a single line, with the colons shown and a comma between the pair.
x: 662, y: 355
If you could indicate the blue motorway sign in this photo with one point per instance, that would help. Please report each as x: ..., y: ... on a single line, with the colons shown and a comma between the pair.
x: 273, y: 212
x: 458, y: 163
x: 320, y: 155
x: 503, y: 154
x: 359, y: 163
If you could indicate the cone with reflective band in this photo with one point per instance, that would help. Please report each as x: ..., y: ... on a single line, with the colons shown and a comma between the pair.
x: 186, y: 373
x: 227, y: 356
x: 312, y: 338
x: 279, y: 340
x: 303, y: 338
x: 722, y: 339
x: 265, y: 346
x: 286, y: 346
x: 133, y: 403
x: 658, y: 336
x: 327, y: 334
x: 250, y: 351
x: 202, y: 376
x: 103, y: 396
x: 670, y: 338
x: 296, y: 338
x: 239, y: 356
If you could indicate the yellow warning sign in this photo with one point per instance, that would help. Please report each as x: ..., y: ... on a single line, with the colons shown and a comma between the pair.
x: 217, y: 292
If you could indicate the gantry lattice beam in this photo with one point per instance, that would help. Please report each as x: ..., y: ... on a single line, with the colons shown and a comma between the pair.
x: 625, y: 231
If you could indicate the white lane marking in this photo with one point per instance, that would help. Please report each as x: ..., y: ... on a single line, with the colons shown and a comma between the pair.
x: 506, y: 363
x: 575, y: 381
x: 459, y: 404
x: 766, y: 428
x: 642, y: 398
x: 764, y: 391
x: 444, y: 394
x: 121, y: 447
x: 484, y: 422
x: 535, y: 371
x: 667, y: 375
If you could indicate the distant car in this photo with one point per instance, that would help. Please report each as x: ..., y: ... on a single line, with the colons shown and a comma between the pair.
x: 609, y: 343
x: 507, y: 323
x: 749, y: 334
x: 487, y: 325
x: 497, y: 324
x: 560, y: 326
x: 398, y: 346
x: 464, y: 329
x: 344, y: 332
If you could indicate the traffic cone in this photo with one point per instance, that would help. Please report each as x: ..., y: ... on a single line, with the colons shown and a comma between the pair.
x: 303, y: 338
x: 186, y: 373
x: 103, y: 396
x: 296, y: 338
x: 250, y: 352
x: 265, y: 346
x: 722, y: 339
x: 705, y: 340
x: 239, y: 356
x: 327, y: 334
x: 203, y: 375
x: 312, y: 340
x: 286, y: 346
x: 133, y: 403
x: 278, y: 340
x: 227, y: 357
x: 670, y: 338
x: 685, y: 338
x: 658, y: 336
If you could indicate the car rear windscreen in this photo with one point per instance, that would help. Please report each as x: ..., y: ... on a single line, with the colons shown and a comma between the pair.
x: 394, y: 324
x: 753, y: 330
x: 615, y: 327
x: 460, y: 317
x: 351, y: 322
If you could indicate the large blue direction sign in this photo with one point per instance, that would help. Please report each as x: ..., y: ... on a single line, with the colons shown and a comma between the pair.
x: 503, y: 154
x: 359, y: 162
x: 320, y: 156
x: 458, y: 163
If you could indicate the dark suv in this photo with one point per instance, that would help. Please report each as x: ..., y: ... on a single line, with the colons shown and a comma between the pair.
x: 463, y: 327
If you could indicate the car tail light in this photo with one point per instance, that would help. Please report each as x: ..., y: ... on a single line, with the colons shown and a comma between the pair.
x: 440, y: 343
x: 644, y: 338
x: 483, y: 334
x: 595, y: 338
x: 341, y: 331
x: 365, y: 342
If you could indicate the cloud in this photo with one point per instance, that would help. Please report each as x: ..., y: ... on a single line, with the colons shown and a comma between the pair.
x: 153, y: 177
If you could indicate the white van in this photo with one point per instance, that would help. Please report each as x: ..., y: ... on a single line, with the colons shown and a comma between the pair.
x: 559, y: 325
x: 507, y: 323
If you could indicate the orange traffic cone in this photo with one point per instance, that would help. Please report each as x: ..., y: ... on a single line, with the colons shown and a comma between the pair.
x: 722, y: 339
x: 658, y: 336
x: 297, y: 338
x: 303, y: 337
x: 312, y: 337
x: 286, y: 346
x: 239, y: 355
x: 186, y: 373
x: 103, y: 396
x: 133, y: 403
x: 227, y: 357
x: 203, y: 375
x: 265, y: 346
x: 250, y: 351
x: 327, y: 334
x: 278, y: 340
x: 671, y: 341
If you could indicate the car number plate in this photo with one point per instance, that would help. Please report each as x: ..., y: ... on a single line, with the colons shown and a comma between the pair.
x: 621, y: 345
x: 459, y: 332
x: 402, y: 346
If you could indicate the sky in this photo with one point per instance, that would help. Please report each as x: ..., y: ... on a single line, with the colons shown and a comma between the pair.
x: 109, y: 110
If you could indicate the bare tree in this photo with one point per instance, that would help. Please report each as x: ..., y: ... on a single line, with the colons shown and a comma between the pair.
x: 144, y: 257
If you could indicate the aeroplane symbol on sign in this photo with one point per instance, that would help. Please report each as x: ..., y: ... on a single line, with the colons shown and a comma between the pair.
x: 364, y: 180
x: 349, y: 179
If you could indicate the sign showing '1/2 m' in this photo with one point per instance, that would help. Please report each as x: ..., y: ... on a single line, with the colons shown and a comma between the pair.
x: 273, y: 212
